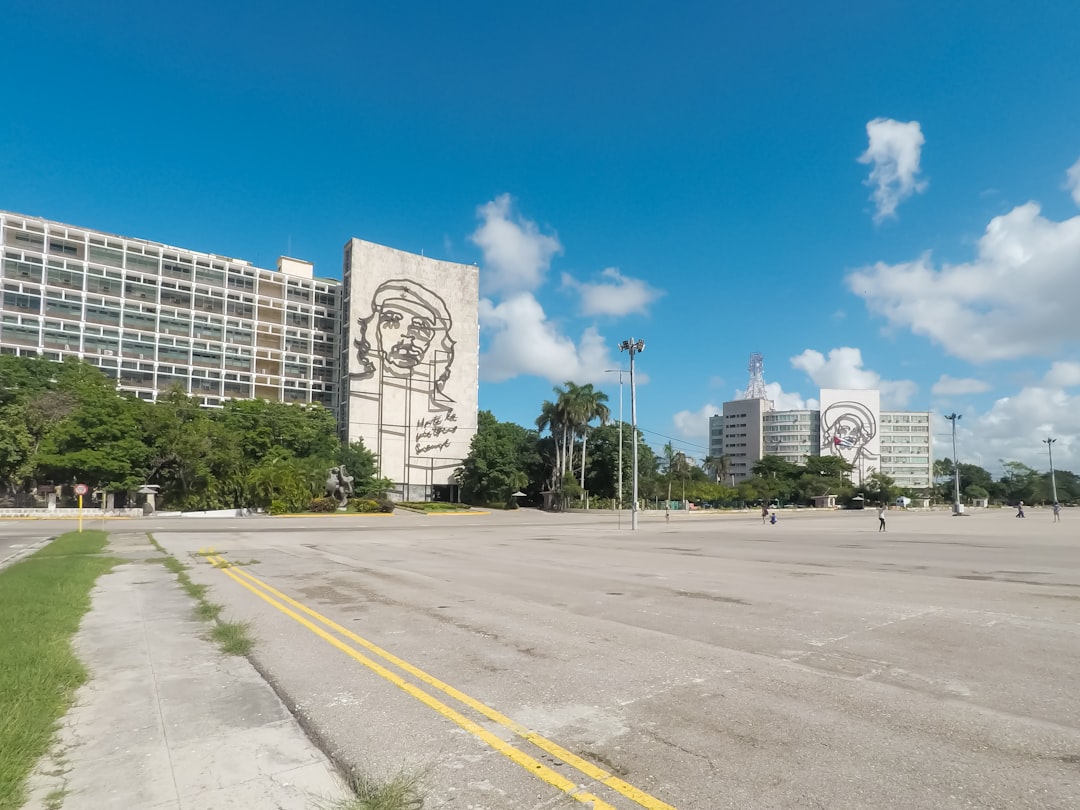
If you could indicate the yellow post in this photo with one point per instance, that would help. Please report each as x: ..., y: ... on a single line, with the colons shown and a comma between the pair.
x: 80, y: 514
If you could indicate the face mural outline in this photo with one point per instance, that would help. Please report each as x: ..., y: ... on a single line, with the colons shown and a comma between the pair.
x: 411, y: 325
x: 847, y: 430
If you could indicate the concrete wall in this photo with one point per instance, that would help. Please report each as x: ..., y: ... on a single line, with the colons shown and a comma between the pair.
x: 742, y: 434
x: 410, y: 360
x: 850, y: 428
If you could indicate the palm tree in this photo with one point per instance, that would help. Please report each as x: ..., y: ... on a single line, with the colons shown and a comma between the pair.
x: 551, y: 418
x: 670, y: 461
x: 590, y: 406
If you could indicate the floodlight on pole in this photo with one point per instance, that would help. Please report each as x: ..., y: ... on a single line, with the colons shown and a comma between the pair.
x: 957, y: 507
x: 620, y: 372
x: 1049, y: 442
x: 633, y: 347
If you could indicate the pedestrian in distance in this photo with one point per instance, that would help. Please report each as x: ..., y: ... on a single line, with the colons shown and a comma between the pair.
x: 1057, y: 512
x: 881, y: 519
x: 764, y: 514
x: 772, y: 518
x: 1020, y: 509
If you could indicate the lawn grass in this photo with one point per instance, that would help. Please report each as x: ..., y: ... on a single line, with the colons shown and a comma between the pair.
x: 42, y: 600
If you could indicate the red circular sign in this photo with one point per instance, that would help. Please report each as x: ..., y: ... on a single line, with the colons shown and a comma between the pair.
x: 81, y: 489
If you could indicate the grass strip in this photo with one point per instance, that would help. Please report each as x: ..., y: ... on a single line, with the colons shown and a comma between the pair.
x: 42, y: 600
x: 403, y: 791
x: 234, y: 638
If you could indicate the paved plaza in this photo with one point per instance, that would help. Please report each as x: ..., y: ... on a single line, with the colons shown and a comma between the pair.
x: 528, y: 660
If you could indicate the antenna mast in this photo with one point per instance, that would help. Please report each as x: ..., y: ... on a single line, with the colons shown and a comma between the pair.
x: 756, y: 388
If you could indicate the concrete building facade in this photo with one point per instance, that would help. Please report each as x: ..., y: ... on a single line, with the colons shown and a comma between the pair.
x: 151, y: 315
x: 741, y: 438
x: 392, y: 349
x: 793, y: 436
x: 410, y: 364
x: 849, y: 424
x: 906, y: 454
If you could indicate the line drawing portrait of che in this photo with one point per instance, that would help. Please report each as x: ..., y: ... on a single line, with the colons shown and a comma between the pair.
x: 411, y: 347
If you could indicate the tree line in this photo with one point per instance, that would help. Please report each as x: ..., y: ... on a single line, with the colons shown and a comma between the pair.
x: 571, y: 452
x: 66, y: 423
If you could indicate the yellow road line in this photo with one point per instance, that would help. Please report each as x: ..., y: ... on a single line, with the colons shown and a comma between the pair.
x: 588, y: 768
x: 538, y: 769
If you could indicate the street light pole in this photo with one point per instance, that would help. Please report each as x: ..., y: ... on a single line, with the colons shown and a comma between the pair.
x: 1049, y: 442
x: 619, y: 371
x: 954, y: 417
x: 633, y: 347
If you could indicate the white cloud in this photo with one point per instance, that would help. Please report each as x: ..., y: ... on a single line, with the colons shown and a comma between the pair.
x: 694, y: 425
x: 1017, y: 298
x: 948, y: 386
x: 1072, y: 181
x: 844, y: 369
x: 516, y: 254
x: 784, y: 401
x: 1014, y: 429
x: 1063, y: 374
x: 523, y: 341
x: 618, y: 295
x: 895, y: 151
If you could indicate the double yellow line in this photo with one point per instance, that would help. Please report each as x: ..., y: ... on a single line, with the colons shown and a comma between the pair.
x: 293, y: 609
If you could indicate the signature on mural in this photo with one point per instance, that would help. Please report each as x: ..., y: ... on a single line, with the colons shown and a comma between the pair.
x: 432, y: 427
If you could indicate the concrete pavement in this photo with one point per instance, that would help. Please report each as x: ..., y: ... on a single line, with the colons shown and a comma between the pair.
x: 166, y: 721
x: 711, y: 663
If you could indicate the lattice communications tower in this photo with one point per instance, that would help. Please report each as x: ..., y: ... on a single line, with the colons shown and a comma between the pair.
x: 756, y: 388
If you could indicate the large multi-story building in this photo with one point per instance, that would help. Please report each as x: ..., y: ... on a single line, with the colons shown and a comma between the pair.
x: 849, y: 424
x: 400, y: 372
x: 152, y: 316
x: 792, y: 435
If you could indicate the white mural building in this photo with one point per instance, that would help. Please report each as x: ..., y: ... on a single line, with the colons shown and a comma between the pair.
x: 409, y: 365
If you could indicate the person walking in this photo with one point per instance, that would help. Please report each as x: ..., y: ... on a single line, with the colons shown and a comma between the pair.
x: 1057, y: 512
x: 1020, y: 509
x: 881, y: 518
x: 764, y: 514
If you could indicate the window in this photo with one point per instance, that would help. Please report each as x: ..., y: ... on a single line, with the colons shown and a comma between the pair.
x: 174, y: 326
x: 177, y: 268
x: 146, y: 263
x: 29, y: 270
x: 31, y: 240
x: 108, y: 256
x: 99, y: 313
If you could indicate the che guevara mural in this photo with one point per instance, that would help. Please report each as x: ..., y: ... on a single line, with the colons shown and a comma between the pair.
x: 412, y: 347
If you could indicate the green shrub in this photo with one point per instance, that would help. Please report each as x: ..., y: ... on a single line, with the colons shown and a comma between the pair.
x: 364, y: 505
x: 385, y: 505
x: 278, y: 507
x: 323, y: 505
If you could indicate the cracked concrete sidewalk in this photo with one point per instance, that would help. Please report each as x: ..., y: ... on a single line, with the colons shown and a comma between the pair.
x: 166, y: 721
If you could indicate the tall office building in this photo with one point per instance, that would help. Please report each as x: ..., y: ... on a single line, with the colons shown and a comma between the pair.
x: 849, y: 424
x: 393, y: 349
x: 151, y: 315
x: 793, y: 436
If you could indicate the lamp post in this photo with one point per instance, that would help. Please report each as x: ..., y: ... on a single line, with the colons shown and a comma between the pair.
x: 620, y: 372
x: 1049, y: 442
x: 954, y: 418
x: 633, y: 347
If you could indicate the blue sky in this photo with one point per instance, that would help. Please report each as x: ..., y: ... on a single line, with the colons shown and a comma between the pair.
x: 689, y: 174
